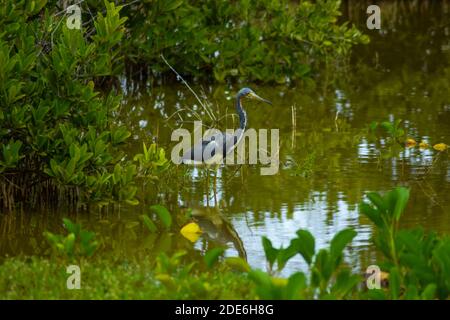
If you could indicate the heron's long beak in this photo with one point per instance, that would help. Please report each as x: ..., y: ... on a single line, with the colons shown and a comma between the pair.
x: 255, y: 96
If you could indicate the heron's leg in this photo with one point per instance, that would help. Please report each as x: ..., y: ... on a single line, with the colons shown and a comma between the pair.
x: 207, y: 186
x: 215, y: 186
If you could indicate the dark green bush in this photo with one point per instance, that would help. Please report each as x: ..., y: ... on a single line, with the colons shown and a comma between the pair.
x: 58, y: 140
x: 267, y: 41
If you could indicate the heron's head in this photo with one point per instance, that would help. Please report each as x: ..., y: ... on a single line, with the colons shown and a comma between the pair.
x: 250, y: 94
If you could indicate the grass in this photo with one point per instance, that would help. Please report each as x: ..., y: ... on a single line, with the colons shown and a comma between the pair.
x: 41, y: 278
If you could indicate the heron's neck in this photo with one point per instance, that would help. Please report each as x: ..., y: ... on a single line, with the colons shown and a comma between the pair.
x: 241, y: 113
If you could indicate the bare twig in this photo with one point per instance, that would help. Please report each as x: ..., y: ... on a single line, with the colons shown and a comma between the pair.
x: 210, y: 114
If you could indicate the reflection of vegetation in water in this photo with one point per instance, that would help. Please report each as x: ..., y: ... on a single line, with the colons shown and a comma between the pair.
x: 78, y: 242
x: 396, y: 139
x: 393, y: 129
x: 306, y: 166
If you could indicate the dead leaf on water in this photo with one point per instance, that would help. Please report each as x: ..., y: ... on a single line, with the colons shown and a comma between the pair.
x: 423, y: 145
x: 191, y: 231
x: 440, y: 147
x: 410, y: 142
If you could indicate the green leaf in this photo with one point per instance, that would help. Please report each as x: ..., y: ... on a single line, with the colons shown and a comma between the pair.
x: 376, y: 294
x: 148, y: 223
x: 284, y: 255
x: 132, y: 202
x: 371, y: 213
x: 171, y: 5
x: 269, y: 250
x: 120, y: 135
x: 263, y: 281
x: 429, y: 292
x: 411, y: 293
x: 305, y: 245
x: 322, y: 268
x: 211, y: 256
x: 394, y: 283
x: 296, y: 283
x: 238, y: 264
x: 69, y: 244
x: 86, y: 236
x: 388, y: 126
x: 71, y: 226
x: 345, y: 283
x: 402, y: 197
x: 341, y: 240
x: 377, y: 201
x: 163, y: 215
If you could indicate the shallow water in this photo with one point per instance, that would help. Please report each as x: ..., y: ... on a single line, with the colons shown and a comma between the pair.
x: 328, y: 161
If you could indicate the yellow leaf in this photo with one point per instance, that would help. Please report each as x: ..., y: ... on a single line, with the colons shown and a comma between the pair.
x: 440, y: 147
x: 191, y: 231
x: 191, y: 227
x: 410, y: 143
x: 423, y: 145
x: 192, y: 237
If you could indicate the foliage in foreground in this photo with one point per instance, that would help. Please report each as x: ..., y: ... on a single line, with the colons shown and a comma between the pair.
x: 39, y: 278
x: 417, y: 264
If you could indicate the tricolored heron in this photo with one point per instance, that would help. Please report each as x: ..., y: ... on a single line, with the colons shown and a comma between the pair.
x: 214, y: 150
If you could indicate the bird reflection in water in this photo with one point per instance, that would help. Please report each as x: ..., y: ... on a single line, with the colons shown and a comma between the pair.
x: 216, y: 228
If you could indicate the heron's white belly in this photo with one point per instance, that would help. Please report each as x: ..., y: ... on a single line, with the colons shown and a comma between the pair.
x: 216, y: 159
x: 192, y: 162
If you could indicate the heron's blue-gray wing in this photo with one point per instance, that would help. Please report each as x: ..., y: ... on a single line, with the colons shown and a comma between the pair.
x: 231, y: 141
x: 195, y: 154
x: 218, y: 145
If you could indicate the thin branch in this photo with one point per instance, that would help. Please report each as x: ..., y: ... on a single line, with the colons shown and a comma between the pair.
x: 190, y: 89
